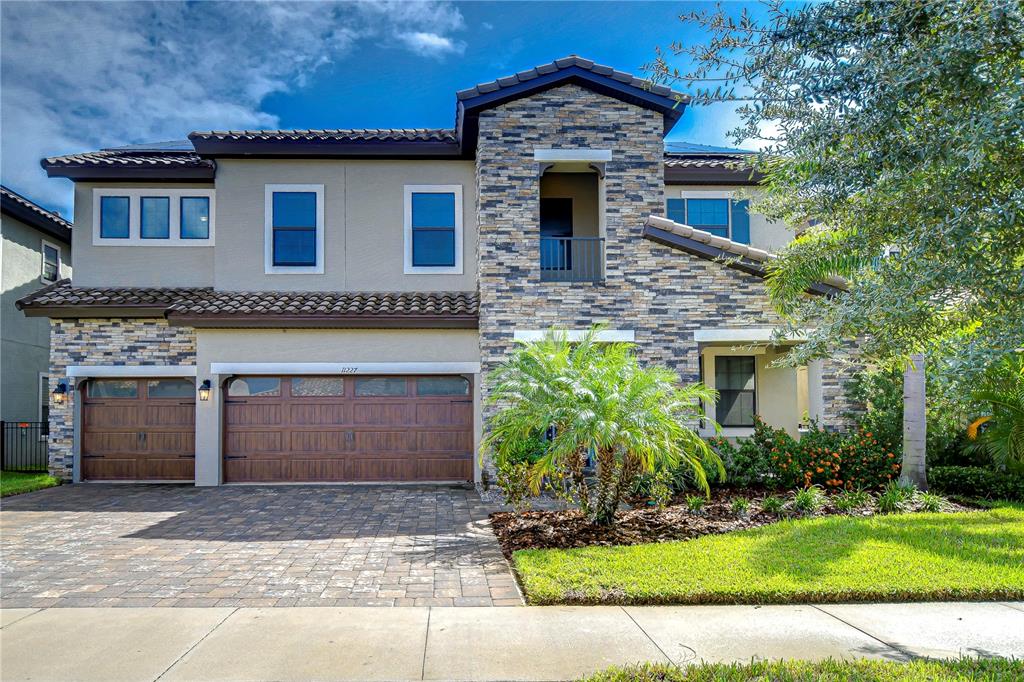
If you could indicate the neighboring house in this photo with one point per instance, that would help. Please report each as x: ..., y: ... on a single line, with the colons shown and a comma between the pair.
x: 343, y: 293
x: 35, y: 250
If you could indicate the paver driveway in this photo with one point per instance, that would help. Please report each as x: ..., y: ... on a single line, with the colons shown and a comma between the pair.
x: 171, y: 545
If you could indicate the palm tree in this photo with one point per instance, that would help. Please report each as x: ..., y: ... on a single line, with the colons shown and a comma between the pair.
x: 599, y: 399
x: 1003, y: 437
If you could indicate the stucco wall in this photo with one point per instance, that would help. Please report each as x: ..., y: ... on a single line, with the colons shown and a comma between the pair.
x: 24, y: 341
x: 130, y: 265
x: 764, y: 234
x: 363, y: 220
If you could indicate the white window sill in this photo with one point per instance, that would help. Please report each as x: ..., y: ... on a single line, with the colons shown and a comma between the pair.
x: 294, y: 270
x: 431, y: 270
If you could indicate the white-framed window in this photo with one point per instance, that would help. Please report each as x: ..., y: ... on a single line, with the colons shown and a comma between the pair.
x: 153, y: 217
x: 293, y: 231
x: 433, y: 229
x: 50, y: 269
x: 714, y: 211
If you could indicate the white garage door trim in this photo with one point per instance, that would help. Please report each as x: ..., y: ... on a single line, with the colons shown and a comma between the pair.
x: 292, y: 368
x: 105, y: 371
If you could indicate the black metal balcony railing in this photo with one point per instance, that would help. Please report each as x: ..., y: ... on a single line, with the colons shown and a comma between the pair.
x: 571, y: 259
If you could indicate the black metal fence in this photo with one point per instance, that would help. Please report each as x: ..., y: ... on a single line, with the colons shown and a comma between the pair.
x: 23, y: 446
x: 571, y: 259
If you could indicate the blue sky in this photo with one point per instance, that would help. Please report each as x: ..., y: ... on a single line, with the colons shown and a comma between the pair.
x: 81, y: 76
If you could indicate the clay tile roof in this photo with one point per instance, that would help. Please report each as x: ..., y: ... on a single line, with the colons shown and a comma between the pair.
x: 204, y: 306
x: 129, y: 158
x: 565, y: 63
x: 748, y: 258
x: 682, y: 161
x: 33, y: 214
x: 333, y: 135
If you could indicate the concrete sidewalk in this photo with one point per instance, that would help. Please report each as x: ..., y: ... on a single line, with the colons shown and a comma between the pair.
x: 440, y: 643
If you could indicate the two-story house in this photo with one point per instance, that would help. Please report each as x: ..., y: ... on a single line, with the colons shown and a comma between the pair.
x: 324, y: 305
x: 35, y: 250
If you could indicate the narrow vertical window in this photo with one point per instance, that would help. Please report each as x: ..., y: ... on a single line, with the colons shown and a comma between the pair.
x: 51, y: 263
x: 195, y: 217
x: 114, y: 215
x: 734, y: 381
x: 156, y: 217
x: 294, y: 229
x: 433, y: 229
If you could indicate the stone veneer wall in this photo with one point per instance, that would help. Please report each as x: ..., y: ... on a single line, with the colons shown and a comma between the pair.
x: 663, y: 294
x: 106, y: 342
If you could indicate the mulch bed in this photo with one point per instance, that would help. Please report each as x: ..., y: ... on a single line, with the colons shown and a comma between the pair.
x: 567, y: 529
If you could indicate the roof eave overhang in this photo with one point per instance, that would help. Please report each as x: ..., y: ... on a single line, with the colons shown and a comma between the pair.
x: 324, y: 321
x: 468, y: 109
x: 48, y: 226
x: 711, y: 176
x: 383, y: 149
x: 83, y: 311
x: 729, y: 260
x: 83, y: 173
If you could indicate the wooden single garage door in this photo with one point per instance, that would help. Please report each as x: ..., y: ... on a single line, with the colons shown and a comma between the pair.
x: 139, y: 429
x: 335, y: 428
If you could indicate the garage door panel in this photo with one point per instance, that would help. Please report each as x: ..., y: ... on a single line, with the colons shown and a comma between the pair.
x: 383, y: 441
x: 98, y: 443
x: 108, y: 468
x: 162, y: 468
x: 111, y: 416
x: 253, y: 414
x: 304, y: 469
x: 443, y: 441
x: 318, y: 415
x: 170, y: 443
x: 254, y: 470
x: 319, y: 441
x: 245, y: 442
x: 381, y: 469
x: 437, y: 469
x: 171, y: 415
x: 444, y: 414
x: 370, y: 413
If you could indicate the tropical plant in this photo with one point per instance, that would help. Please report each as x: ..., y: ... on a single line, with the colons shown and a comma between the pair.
x: 597, y: 398
x: 695, y: 503
x: 850, y: 500
x: 772, y: 504
x: 930, y: 502
x: 978, y: 482
x: 1003, y: 434
x: 808, y: 500
x: 740, y: 506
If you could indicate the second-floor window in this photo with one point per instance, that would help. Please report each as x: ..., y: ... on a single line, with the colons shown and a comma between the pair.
x: 718, y: 214
x: 433, y: 229
x: 51, y: 262
x: 153, y: 217
x: 294, y: 229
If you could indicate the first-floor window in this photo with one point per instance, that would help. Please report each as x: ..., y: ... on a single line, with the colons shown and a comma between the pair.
x: 44, y: 403
x: 734, y: 381
x: 51, y: 262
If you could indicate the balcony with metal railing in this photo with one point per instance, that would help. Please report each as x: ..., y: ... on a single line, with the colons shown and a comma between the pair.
x: 572, y: 259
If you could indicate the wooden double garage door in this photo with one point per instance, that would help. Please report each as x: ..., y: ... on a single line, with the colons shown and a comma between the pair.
x: 138, y: 429
x: 348, y: 428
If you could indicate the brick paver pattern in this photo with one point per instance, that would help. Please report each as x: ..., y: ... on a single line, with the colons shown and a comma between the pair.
x: 173, y: 545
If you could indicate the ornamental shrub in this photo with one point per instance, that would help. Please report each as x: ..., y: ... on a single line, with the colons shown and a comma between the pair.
x: 977, y: 482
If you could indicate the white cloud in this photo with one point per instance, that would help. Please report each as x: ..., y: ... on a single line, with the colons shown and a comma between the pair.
x: 430, y: 44
x: 81, y: 76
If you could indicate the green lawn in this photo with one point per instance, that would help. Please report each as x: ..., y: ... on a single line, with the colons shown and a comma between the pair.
x: 905, y: 557
x: 16, y: 482
x: 992, y: 669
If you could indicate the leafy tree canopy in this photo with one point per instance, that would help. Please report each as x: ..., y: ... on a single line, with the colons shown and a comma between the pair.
x: 885, y: 126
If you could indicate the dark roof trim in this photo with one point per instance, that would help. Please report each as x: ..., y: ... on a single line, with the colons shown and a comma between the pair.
x: 296, y: 148
x: 131, y: 173
x: 711, y: 176
x: 726, y: 258
x: 76, y: 311
x: 468, y: 110
x: 369, y: 321
x: 34, y: 215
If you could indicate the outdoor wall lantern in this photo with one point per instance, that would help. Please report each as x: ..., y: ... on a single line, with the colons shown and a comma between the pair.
x: 204, y: 391
x: 60, y: 394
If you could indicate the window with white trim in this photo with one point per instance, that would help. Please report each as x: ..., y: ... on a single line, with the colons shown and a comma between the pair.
x: 153, y: 217
x: 51, y: 262
x: 433, y: 229
x: 294, y: 229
